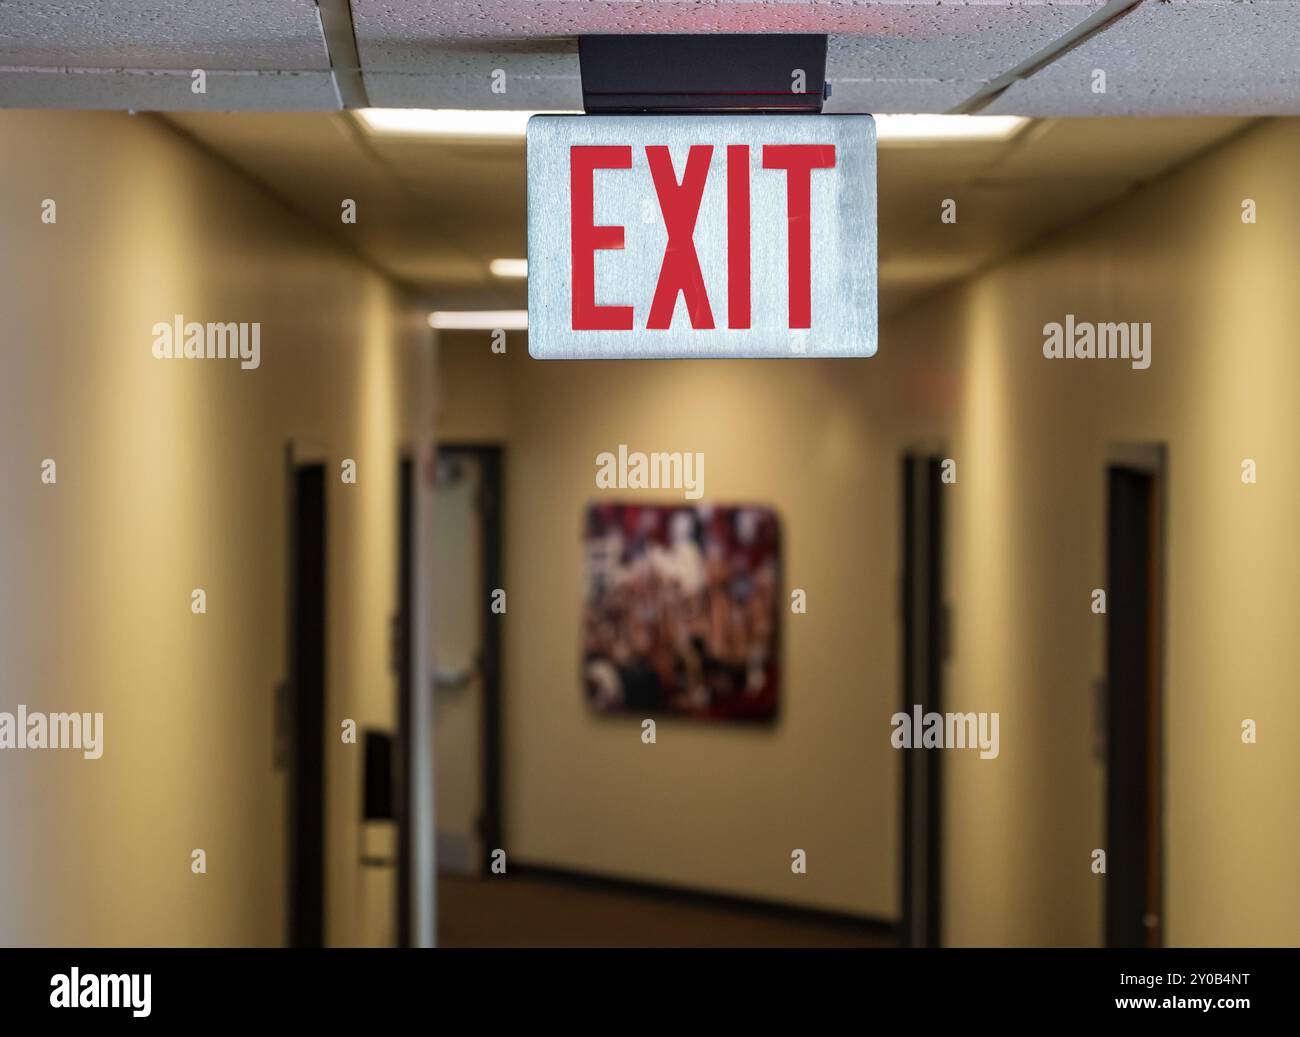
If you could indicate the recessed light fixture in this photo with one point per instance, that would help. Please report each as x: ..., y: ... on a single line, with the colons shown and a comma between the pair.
x: 446, y: 122
x: 942, y: 129
x: 509, y: 267
x: 479, y: 320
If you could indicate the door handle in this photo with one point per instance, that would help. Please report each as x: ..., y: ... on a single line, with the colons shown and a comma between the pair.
x: 452, y: 680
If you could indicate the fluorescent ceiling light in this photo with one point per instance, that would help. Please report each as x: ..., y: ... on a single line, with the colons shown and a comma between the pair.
x: 509, y: 267
x: 932, y: 129
x: 509, y: 124
x: 479, y: 320
x: 445, y: 122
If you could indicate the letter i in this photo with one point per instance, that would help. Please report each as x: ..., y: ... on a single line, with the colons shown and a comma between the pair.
x: 738, y: 250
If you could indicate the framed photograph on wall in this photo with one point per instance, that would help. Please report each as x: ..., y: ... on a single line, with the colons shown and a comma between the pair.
x: 680, y: 610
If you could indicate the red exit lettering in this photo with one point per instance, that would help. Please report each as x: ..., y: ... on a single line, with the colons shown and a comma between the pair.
x: 679, y: 202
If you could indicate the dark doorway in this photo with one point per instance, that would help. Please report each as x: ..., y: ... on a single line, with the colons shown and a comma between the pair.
x: 402, y: 646
x: 1133, y: 709
x: 307, y: 588
x: 923, y: 653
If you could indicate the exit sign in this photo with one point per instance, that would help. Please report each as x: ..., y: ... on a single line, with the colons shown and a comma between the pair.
x: 701, y: 236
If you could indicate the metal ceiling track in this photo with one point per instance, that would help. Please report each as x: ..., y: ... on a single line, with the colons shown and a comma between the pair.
x: 341, y: 43
x: 1100, y: 20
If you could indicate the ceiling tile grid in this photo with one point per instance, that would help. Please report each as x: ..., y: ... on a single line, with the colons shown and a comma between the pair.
x: 1163, y: 57
x: 887, y: 96
x: 384, y: 24
x: 883, y: 55
x: 158, y: 90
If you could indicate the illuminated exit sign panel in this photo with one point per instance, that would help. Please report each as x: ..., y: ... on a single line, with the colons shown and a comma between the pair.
x: 701, y: 236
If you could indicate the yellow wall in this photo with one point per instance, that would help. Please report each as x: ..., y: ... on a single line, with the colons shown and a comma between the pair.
x: 171, y: 477
x: 1028, y: 544
x: 721, y: 807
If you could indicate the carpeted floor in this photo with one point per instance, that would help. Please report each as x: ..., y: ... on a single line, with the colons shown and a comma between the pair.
x: 531, y: 911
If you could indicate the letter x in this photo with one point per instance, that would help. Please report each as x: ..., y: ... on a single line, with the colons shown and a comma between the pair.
x: 680, y: 204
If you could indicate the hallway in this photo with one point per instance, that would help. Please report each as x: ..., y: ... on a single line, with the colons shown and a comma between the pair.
x: 340, y: 609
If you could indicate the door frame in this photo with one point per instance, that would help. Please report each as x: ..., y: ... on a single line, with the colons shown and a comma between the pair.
x: 1151, y: 460
x: 404, y: 660
x: 305, y: 923
x: 922, y: 882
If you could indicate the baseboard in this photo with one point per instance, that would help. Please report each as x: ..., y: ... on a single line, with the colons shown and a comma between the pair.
x: 864, y: 924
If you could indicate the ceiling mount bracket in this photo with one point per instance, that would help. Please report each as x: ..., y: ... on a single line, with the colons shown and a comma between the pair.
x: 734, y: 74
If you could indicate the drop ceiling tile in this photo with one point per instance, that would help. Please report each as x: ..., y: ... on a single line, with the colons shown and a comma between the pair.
x: 1186, y: 57
x: 978, y: 41
x: 165, y: 91
x: 162, y: 34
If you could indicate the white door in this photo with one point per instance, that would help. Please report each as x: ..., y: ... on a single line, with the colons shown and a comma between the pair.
x: 457, y: 649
